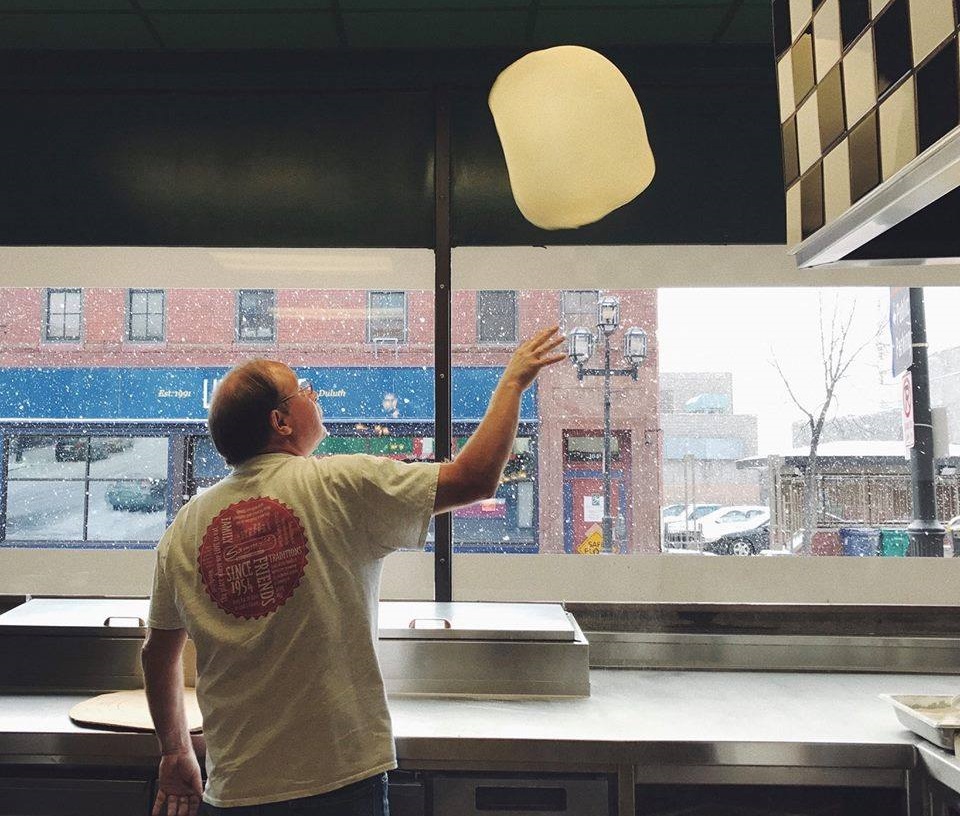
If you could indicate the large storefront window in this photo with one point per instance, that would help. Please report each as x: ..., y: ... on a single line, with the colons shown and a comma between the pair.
x: 104, y: 439
x: 710, y: 436
x: 85, y: 488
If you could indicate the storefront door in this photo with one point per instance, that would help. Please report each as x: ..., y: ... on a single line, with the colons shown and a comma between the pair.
x: 583, y: 512
x: 583, y: 483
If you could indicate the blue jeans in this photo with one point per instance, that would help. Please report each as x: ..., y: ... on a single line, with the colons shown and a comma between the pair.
x: 368, y: 797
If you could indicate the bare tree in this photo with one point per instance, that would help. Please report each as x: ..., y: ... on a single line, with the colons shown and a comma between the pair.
x: 836, y: 355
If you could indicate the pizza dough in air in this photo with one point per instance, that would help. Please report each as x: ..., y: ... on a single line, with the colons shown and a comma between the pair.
x: 573, y: 136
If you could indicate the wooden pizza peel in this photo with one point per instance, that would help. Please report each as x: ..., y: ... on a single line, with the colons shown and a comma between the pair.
x: 128, y: 711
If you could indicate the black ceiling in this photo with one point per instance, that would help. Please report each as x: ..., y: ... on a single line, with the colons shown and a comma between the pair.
x: 218, y: 25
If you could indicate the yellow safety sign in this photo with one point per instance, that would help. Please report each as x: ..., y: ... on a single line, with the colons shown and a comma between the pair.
x: 592, y: 543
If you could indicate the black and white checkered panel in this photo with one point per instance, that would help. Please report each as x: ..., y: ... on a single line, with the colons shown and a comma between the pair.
x: 865, y: 87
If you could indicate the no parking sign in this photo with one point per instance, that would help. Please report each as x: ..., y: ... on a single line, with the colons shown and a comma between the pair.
x: 907, y: 416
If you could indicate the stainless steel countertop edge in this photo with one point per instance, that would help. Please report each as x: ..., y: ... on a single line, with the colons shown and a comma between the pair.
x: 940, y: 765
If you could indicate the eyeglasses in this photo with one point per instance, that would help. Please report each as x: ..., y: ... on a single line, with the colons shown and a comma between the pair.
x: 306, y: 389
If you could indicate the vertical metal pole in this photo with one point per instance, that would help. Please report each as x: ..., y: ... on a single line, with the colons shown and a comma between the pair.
x: 86, y: 488
x: 607, y: 516
x: 926, y: 533
x: 443, y: 443
x: 5, y: 448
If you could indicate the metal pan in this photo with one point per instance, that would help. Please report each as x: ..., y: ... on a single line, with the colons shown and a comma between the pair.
x: 934, y: 717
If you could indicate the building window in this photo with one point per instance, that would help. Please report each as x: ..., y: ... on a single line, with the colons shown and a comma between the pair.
x: 579, y: 309
x: 256, y: 315
x: 145, y: 315
x: 497, y: 316
x: 64, y: 310
x: 387, y: 317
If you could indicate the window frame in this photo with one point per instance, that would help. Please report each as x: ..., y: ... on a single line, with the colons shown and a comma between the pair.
x: 591, y: 325
x: 163, y: 316
x: 370, y: 307
x: 60, y: 429
x: 63, y: 290
x: 547, y: 577
x: 238, y: 324
x: 516, y: 318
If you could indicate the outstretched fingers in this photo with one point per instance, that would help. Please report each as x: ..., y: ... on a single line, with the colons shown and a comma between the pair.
x: 542, y: 336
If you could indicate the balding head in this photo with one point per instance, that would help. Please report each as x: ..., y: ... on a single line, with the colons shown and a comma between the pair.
x: 239, y: 418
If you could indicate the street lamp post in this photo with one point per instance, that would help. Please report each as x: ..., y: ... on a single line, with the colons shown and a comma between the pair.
x: 580, y: 346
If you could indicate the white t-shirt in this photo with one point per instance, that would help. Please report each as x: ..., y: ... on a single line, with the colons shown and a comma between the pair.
x: 275, y: 574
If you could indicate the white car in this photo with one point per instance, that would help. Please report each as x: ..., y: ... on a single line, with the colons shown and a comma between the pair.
x: 732, y: 520
x: 672, y: 512
x: 688, y: 521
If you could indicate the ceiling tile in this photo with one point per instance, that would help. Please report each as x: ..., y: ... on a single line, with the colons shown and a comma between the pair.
x: 439, y: 29
x: 600, y: 5
x: 432, y: 5
x: 74, y: 31
x: 235, y: 5
x: 836, y: 181
x: 65, y: 6
x: 629, y: 26
x: 785, y: 87
x: 898, y: 129
x: 216, y: 31
x: 800, y: 13
x: 931, y: 22
x: 859, y: 80
x: 826, y: 37
x: 793, y: 216
x: 808, y: 132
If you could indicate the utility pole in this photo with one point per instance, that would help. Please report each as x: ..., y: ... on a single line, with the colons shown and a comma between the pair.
x: 925, y: 531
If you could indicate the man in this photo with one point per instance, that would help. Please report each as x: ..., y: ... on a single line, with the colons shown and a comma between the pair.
x: 274, y: 572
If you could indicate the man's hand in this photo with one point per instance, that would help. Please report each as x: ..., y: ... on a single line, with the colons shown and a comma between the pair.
x: 180, y: 787
x: 533, y: 355
x: 477, y: 470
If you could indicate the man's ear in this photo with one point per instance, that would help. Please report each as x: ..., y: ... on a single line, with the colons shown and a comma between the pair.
x: 279, y: 423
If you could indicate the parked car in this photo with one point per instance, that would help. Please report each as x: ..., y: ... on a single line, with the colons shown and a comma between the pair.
x: 686, y: 520
x: 140, y: 495
x: 74, y: 448
x: 741, y: 542
x: 731, y: 520
x: 117, y: 444
x: 684, y: 529
x: 952, y: 538
x: 672, y: 512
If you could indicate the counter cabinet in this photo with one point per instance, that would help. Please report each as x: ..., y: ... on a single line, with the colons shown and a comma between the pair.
x: 64, y: 791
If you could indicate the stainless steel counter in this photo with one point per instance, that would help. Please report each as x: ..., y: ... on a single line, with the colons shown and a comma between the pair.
x: 641, y: 719
x: 940, y: 765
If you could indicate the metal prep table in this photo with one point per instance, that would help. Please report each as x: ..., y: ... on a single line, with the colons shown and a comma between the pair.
x: 457, y: 649
x: 598, y: 754
x: 637, y: 728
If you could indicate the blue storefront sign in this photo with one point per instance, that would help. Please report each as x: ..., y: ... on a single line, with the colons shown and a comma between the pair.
x: 346, y: 394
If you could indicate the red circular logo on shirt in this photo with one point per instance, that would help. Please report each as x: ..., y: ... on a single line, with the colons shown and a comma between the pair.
x: 252, y: 557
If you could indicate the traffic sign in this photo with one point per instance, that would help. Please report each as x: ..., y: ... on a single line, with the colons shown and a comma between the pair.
x: 907, y: 416
x: 901, y: 333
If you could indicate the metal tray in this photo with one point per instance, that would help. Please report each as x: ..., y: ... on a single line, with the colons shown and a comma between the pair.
x: 931, y: 716
x: 464, y: 620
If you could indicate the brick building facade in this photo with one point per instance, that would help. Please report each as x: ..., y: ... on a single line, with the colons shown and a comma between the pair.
x: 114, y: 329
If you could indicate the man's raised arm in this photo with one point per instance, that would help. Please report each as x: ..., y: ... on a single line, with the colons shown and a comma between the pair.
x: 475, y: 473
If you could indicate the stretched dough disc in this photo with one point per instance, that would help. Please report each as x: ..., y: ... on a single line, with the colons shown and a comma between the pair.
x: 128, y: 710
x: 572, y: 134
